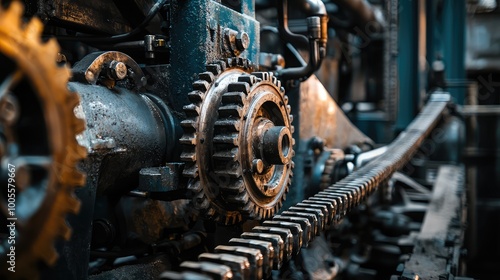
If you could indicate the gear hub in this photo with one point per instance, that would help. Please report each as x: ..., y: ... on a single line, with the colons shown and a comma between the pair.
x: 239, y: 144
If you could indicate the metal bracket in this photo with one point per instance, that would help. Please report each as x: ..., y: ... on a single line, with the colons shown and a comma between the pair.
x: 90, y: 67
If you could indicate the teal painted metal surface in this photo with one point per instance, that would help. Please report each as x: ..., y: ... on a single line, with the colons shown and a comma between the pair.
x: 409, y: 76
x: 197, y: 38
x: 454, y: 19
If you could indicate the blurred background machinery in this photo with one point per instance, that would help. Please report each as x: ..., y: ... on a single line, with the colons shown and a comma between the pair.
x: 249, y: 139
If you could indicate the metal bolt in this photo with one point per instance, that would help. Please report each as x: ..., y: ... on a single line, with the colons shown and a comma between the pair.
x: 118, y: 70
x: 258, y: 166
x: 242, y: 41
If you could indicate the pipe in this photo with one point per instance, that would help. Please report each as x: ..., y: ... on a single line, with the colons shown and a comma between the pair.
x: 366, y: 157
x: 363, y: 13
x: 317, y: 25
x: 317, y: 8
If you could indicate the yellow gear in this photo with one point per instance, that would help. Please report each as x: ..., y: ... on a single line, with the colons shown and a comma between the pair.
x: 36, y: 61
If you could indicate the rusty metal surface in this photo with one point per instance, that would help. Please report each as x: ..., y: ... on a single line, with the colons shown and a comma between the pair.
x: 85, y: 15
x: 320, y: 116
x: 88, y: 70
x: 438, y: 246
x: 345, y: 195
x: 237, y: 142
x: 126, y: 129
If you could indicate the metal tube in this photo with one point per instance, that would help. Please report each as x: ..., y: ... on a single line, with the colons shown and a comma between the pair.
x: 362, y: 12
x: 125, y: 132
x: 366, y: 157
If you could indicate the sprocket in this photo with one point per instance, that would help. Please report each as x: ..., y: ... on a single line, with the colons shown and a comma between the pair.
x: 39, y: 131
x: 239, y: 145
x: 329, y: 176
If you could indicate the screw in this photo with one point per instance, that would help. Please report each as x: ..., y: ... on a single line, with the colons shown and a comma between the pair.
x: 118, y: 70
x: 258, y: 165
x: 242, y: 41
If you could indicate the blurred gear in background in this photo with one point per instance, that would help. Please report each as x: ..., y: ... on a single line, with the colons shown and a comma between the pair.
x: 40, y: 153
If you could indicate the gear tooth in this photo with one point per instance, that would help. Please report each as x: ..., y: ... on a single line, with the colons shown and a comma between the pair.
x: 189, y: 124
x: 285, y: 97
x: 214, y: 68
x: 233, y: 171
x: 277, y: 83
x: 239, y: 199
x: 51, y: 50
x: 211, y: 212
x: 192, y: 110
x: 73, y: 204
x: 260, y: 213
x: 226, y: 155
x: 191, y: 171
x: 14, y: 13
x: 288, y: 109
x: 227, y: 138
x: 292, y: 129
x: 76, y: 178
x: 264, y: 76
x: 249, y: 79
x: 194, y: 185
x: 81, y: 151
x: 282, y: 90
x: 64, y: 231
x: 33, y: 29
x: 78, y: 125
x: 241, y: 61
x: 231, y: 62
x: 201, y: 85
x: 228, y: 111
x: 236, y: 187
x: 228, y: 125
x: 207, y: 76
x: 291, y: 119
x: 188, y: 156
x: 239, y: 86
x: 188, y: 140
x: 247, y: 209
x: 233, y: 98
x: 201, y: 202
x: 72, y: 100
x: 293, y: 142
x: 49, y: 256
x: 224, y: 64
x: 195, y: 96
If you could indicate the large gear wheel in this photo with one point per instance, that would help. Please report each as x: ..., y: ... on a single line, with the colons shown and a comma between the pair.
x: 239, y: 144
x: 39, y: 131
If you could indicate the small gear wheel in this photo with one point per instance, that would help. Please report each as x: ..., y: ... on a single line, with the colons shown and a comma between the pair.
x: 239, y: 144
x: 38, y: 145
x: 329, y: 176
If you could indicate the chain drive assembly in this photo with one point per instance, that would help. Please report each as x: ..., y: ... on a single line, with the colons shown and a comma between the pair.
x: 268, y: 246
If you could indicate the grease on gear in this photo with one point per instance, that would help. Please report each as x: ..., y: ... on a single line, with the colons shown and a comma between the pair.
x: 238, y: 143
x: 37, y: 70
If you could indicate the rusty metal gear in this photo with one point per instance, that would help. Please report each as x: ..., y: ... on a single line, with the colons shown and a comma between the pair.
x: 239, y: 144
x: 39, y: 137
x: 328, y: 175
